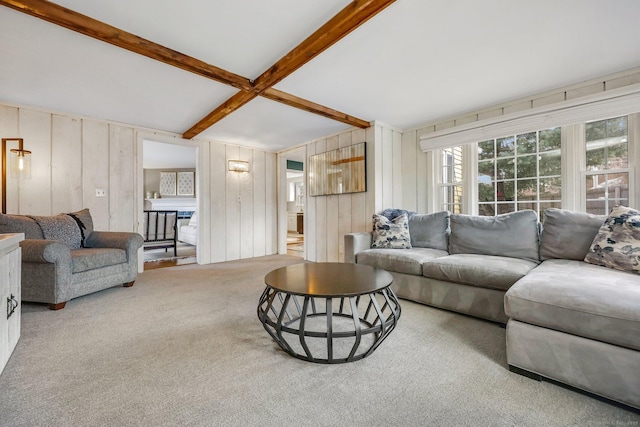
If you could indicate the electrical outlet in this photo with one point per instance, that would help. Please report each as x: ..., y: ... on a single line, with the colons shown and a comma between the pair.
x: 101, y: 192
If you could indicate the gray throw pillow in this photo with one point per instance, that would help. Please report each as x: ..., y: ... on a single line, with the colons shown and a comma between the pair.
x: 85, y: 223
x: 617, y: 244
x: 567, y: 234
x: 20, y: 224
x: 512, y: 235
x: 62, y: 228
x: 391, y: 234
x: 430, y: 230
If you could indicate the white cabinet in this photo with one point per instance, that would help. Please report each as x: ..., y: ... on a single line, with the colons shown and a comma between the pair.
x: 10, y: 258
x: 291, y: 222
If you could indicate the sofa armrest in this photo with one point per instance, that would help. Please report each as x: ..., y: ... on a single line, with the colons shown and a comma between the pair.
x: 45, y: 251
x: 115, y: 239
x: 354, y: 243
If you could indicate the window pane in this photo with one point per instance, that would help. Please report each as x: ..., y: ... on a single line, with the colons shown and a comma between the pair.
x: 504, y: 208
x: 550, y: 164
x: 526, y: 143
x: 550, y: 139
x: 528, y: 205
x: 595, y: 130
x: 618, y: 186
x: 505, y: 169
x: 527, y: 166
x: 550, y: 188
x: 452, y: 194
x: 486, y: 209
x: 596, y: 186
x: 505, y: 191
x: 527, y: 189
x: 617, y: 156
x: 505, y: 146
x: 617, y: 126
x: 486, y: 171
x: 486, y: 150
x: 596, y: 158
x: 486, y: 192
x: 597, y: 207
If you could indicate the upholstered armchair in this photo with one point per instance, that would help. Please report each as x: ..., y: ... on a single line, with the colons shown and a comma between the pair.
x: 63, y: 258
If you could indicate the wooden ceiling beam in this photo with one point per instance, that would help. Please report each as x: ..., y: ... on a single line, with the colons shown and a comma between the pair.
x: 351, y: 17
x: 303, y: 104
x: 88, y: 26
x: 348, y: 19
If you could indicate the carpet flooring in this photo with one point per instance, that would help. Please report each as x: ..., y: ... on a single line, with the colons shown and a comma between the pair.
x: 184, y: 347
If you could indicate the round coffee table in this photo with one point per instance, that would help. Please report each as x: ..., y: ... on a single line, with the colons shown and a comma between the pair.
x: 329, y: 312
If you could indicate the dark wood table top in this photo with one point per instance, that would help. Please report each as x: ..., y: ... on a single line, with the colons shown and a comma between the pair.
x: 328, y: 279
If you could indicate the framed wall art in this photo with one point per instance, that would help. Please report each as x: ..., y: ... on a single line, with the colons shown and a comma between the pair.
x: 167, y: 183
x: 339, y: 171
x: 186, y: 183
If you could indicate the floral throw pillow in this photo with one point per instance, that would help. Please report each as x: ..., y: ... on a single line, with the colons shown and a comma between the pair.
x: 391, y: 234
x: 617, y: 244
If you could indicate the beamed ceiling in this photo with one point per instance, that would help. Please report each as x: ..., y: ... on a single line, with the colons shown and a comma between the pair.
x: 280, y: 73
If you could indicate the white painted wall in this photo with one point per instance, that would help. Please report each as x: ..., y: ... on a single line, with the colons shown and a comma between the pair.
x: 72, y: 156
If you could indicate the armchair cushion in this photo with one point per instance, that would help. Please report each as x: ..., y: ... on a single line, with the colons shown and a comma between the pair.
x: 62, y: 228
x: 92, y: 258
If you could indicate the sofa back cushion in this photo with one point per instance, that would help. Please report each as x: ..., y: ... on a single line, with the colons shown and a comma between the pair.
x: 85, y: 223
x: 567, y: 234
x: 20, y: 224
x: 430, y: 230
x: 512, y: 235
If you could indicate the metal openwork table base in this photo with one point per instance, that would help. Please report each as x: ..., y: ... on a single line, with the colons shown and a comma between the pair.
x: 329, y: 328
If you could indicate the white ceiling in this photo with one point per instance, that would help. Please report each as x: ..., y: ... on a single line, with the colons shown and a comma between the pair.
x: 416, y: 62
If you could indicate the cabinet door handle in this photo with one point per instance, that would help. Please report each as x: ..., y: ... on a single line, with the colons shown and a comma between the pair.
x: 12, y: 304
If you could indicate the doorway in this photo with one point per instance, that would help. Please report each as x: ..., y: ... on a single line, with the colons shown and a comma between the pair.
x: 169, y: 184
x: 292, y: 207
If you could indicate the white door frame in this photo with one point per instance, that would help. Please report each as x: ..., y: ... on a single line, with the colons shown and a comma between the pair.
x: 297, y: 154
x: 201, y: 171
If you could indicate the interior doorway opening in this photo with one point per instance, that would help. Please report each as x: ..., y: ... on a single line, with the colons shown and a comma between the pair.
x: 169, y: 186
x: 291, y: 202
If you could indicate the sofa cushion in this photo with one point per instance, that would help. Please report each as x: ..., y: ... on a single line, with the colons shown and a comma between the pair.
x: 430, y: 231
x: 20, y: 224
x: 85, y: 223
x: 513, y: 235
x: 581, y: 299
x: 193, y: 221
x: 391, y: 234
x: 86, y: 259
x: 567, y: 234
x: 392, y: 214
x: 62, y: 228
x: 484, y: 271
x: 408, y: 261
x: 617, y: 244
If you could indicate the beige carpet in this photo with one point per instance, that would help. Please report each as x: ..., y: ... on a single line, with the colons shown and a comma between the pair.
x: 184, y: 347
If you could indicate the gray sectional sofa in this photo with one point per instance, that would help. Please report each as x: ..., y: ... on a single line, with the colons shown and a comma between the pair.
x: 566, y: 320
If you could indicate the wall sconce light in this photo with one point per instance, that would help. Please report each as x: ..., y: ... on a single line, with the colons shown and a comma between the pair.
x: 238, y: 166
x: 20, y: 165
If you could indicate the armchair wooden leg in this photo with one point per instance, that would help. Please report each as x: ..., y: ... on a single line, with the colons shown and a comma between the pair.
x: 58, y: 306
x: 128, y: 284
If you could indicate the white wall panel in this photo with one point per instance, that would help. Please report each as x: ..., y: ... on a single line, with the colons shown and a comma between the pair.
x: 310, y: 215
x: 35, y: 193
x: 259, y: 203
x: 122, y: 178
x: 232, y: 224
x: 9, y: 129
x: 66, y: 150
x: 271, y: 207
x: 246, y: 204
x: 218, y: 192
x: 95, y: 171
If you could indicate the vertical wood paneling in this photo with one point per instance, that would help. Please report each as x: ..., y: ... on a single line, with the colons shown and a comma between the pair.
x: 310, y: 216
x: 246, y: 205
x: 271, y: 213
x: 232, y: 206
x: 409, y: 169
x: 9, y: 129
x: 66, y: 164
x: 122, y: 178
x: 321, y: 215
x: 375, y: 155
x: 387, y: 168
x: 259, y: 203
x: 344, y: 203
x: 358, y: 200
x: 35, y: 193
x: 205, y: 201
x: 95, y: 173
x: 397, y: 172
x: 332, y: 223
x: 217, y: 159
x: 422, y: 180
